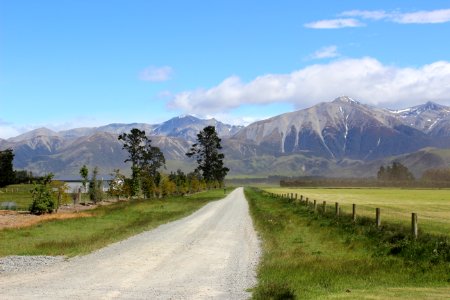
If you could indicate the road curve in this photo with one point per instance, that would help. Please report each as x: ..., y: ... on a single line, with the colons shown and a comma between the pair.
x: 211, y: 254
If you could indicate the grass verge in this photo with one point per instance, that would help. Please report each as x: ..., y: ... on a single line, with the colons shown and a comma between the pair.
x: 308, y: 257
x: 107, y: 224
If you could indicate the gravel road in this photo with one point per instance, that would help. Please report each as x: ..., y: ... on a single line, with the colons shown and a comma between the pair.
x: 211, y: 254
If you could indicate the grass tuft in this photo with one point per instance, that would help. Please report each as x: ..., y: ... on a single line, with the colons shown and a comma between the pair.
x: 274, y: 291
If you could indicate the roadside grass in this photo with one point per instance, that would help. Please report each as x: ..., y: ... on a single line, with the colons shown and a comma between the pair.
x: 19, y: 193
x: 308, y: 257
x: 431, y: 205
x: 107, y: 224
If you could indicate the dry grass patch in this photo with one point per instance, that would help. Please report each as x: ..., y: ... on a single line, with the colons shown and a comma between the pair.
x: 13, y: 219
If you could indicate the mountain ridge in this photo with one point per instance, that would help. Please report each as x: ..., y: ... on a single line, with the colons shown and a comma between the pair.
x: 342, y: 134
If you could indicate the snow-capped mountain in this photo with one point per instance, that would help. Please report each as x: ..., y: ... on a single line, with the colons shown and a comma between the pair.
x: 425, y: 117
x: 324, y: 139
x: 343, y: 128
x: 187, y: 127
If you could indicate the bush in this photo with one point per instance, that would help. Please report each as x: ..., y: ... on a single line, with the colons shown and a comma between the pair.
x: 43, y: 201
x: 95, y: 188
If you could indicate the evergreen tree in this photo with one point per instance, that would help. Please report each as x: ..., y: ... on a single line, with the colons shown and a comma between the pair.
x: 134, y: 143
x: 381, y: 175
x: 43, y: 198
x: 145, y: 159
x: 152, y: 160
x: 95, y: 187
x: 84, y: 173
x: 209, y: 159
x: 7, y: 175
x: 437, y: 175
x: 395, y: 172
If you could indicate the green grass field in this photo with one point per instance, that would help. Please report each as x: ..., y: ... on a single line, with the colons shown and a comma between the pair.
x: 308, y: 257
x: 107, y: 225
x: 19, y: 193
x: 431, y: 205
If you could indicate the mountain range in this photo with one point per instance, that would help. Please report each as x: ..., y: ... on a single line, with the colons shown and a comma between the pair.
x: 339, y: 138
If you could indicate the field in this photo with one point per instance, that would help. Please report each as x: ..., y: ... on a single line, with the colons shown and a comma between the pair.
x: 19, y: 193
x: 308, y: 257
x: 431, y: 205
x: 107, y: 224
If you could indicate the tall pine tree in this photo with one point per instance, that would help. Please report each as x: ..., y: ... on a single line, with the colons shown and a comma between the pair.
x: 145, y: 159
x: 7, y: 175
x: 209, y: 159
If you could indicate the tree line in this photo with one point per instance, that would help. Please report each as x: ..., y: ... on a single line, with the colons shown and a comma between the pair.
x: 146, y: 160
x: 10, y: 176
x: 391, y: 175
x: 147, y: 179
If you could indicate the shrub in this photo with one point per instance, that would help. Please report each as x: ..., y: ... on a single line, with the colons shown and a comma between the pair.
x: 43, y: 202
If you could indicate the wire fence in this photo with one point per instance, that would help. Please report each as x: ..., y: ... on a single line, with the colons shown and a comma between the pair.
x: 379, y: 215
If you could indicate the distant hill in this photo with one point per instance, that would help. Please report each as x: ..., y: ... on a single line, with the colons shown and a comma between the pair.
x: 339, y: 138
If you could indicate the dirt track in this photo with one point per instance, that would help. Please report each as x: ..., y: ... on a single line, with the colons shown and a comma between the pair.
x: 212, y: 254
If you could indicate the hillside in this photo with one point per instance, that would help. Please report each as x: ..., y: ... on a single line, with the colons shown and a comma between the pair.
x: 339, y: 138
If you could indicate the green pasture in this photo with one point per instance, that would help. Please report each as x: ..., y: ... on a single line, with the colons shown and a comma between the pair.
x: 306, y: 256
x: 18, y: 193
x: 431, y: 205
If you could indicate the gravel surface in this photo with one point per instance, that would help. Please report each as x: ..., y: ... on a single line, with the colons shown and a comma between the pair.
x: 212, y: 254
x: 15, y: 263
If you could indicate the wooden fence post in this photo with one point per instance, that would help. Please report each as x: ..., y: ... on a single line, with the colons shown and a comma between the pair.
x: 354, y: 212
x: 414, y: 225
x: 324, y: 206
x: 315, y: 205
x: 337, y: 209
x: 306, y: 201
x: 378, y: 217
x: 301, y: 198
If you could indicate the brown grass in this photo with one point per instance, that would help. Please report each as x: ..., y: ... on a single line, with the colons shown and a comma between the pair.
x: 12, y: 219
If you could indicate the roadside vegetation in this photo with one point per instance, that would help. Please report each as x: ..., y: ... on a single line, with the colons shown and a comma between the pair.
x: 309, y: 256
x: 105, y: 225
x: 147, y: 179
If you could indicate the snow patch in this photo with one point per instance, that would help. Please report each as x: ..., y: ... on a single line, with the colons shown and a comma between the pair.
x: 400, y: 111
x: 434, y: 123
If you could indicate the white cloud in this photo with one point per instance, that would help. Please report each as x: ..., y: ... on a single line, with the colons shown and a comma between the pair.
x: 326, y: 52
x: 366, y: 14
x: 156, y: 74
x: 334, y: 24
x: 7, y: 131
x: 365, y: 79
x: 423, y: 17
x: 235, y: 120
x: 419, y: 17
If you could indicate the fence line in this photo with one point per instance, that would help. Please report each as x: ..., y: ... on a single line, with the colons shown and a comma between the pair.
x: 313, y: 204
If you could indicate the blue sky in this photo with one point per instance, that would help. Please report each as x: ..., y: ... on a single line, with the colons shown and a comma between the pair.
x: 76, y: 63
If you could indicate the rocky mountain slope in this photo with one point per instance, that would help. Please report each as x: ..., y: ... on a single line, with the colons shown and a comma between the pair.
x: 341, y: 137
x: 343, y: 128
